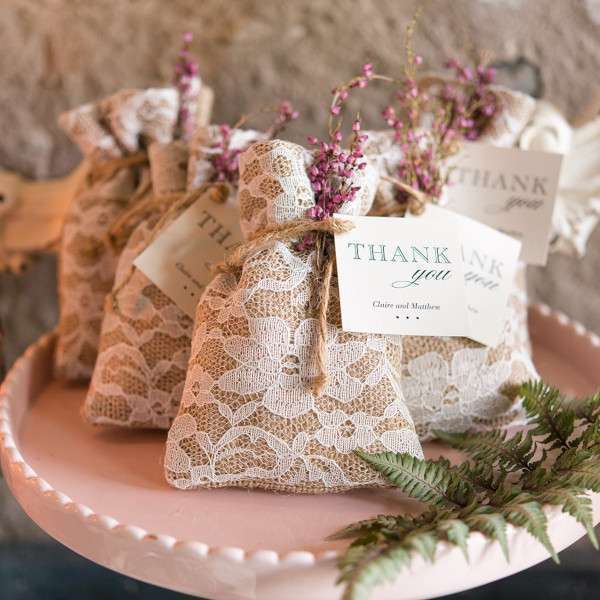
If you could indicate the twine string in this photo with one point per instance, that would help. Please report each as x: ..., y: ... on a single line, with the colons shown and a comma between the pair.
x: 324, y: 266
x: 416, y: 200
x: 105, y: 169
x: 218, y: 192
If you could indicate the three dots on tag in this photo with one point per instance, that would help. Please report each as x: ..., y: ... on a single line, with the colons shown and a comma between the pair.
x: 192, y: 294
x: 407, y: 316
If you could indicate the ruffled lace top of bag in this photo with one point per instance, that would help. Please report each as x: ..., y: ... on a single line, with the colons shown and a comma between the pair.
x: 123, y: 123
x: 111, y: 133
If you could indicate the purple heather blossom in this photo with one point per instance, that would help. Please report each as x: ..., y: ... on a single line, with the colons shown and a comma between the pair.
x: 333, y: 168
x: 225, y: 159
x: 460, y: 111
x: 332, y: 171
x: 186, y: 73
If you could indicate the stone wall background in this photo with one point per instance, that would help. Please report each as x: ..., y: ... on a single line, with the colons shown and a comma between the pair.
x: 56, y: 54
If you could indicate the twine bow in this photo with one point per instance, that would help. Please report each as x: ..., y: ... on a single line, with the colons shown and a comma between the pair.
x: 218, y: 192
x: 122, y: 228
x: 324, y: 265
x: 105, y: 169
x: 415, y: 204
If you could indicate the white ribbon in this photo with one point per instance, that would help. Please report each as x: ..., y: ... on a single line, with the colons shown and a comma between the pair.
x: 577, y: 208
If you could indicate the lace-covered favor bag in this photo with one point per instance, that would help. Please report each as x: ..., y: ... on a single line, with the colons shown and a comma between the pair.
x: 451, y: 383
x: 252, y: 414
x: 112, y: 135
x: 146, y: 337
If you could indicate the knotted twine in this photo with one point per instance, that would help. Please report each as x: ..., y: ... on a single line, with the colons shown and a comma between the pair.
x: 323, y: 232
x: 176, y: 202
x: 101, y: 170
x: 104, y: 170
x: 415, y: 204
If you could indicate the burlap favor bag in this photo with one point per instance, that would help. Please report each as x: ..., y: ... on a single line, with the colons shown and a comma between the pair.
x: 249, y: 416
x: 453, y: 383
x: 146, y: 337
x: 112, y: 134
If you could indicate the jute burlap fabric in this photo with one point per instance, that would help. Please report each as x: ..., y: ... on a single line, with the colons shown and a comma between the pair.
x: 453, y: 383
x: 112, y: 134
x: 248, y: 416
x: 146, y: 337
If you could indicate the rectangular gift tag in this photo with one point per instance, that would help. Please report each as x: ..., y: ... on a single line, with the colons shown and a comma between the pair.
x: 490, y: 261
x: 180, y: 259
x: 511, y: 190
x: 401, y: 276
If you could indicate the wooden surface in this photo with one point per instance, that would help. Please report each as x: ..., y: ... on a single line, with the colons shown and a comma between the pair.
x: 32, y: 212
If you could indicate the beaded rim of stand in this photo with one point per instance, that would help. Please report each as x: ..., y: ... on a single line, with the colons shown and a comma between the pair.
x: 17, y: 468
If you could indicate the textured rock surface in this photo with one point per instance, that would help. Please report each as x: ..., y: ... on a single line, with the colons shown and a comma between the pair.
x: 57, y: 54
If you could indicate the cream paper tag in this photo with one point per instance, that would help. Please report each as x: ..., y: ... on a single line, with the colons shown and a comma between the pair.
x: 438, y: 274
x: 511, y: 190
x: 401, y: 276
x: 490, y: 262
x: 179, y: 260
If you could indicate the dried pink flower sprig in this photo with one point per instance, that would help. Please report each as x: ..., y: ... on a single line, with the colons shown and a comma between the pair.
x: 286, y: 113
x: 332, y: 172
x: 422, y: 147
x: 471, y: 104
x: 460, y: 110
x: 186, y: 82
x: 225, y: 159
x: 341, y: 93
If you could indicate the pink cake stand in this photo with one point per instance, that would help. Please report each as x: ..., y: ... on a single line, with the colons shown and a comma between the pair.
x: 102, y: 494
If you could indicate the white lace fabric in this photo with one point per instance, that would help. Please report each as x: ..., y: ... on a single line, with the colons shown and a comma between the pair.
x: 456, y: 384
x: 145, y: 341
x: 248, y: 416
x: 205, y: 143
x: 144, y: 349
x: 109, y: 129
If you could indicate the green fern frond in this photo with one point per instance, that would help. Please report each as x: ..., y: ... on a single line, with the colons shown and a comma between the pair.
x: 372, y: 567
x: 587, y: 408
x: 530, y: 515
x: 481, y: 475
x: 585, y: 475
x: 491, y: 524
x: 424, y: 480
x: 381, y: 523
x: 545, y: 410
x: 537, y: 479
x: 494, y: 447
x: 574, y: 503
x: 590, y: 437
x: 456, y: 532
x: 569, y: 459
x: 506, y: 480
x: 424, y: 543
